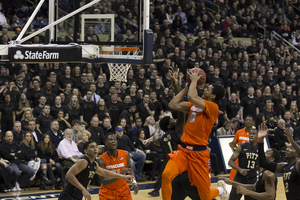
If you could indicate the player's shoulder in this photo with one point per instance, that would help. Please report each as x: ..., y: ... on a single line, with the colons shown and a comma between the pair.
x: 82, y: 161
x: 122, y: 152
x: 103, y: 156
x: 269, y: 175
x: 240, y: 131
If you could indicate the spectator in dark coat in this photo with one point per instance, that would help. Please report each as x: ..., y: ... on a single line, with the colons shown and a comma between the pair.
x: 18, y: 132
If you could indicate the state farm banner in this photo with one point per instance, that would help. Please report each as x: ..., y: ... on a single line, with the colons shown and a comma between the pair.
x: 44, y: 54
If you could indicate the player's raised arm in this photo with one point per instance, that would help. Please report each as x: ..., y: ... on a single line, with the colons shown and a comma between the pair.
x: 71, y: 176
x: 289, y: 135
x: 177, y: 103
x: 272, y: 166
x: 192, y: 93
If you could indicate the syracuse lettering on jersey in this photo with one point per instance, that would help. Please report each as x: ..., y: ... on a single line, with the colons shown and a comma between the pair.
x: 114, y: 166
x: 244, y: 139
x: 196, y: 109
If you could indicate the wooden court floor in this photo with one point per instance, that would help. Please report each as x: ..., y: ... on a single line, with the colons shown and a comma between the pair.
x: 146, y: 187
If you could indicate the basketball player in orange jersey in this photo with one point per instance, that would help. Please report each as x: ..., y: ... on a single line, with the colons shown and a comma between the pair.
x: 192, y: 155
x: 117, y: 161
x: 241, y: 136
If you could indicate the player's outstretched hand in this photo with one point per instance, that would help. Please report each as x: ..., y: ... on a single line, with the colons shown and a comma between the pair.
x: 194, y: 75
x: 241, y: 190
x: 135, y: 187
x: 288, y: 134
x: 86, y: 194
x: 262, y: 131
x: 244, y: 172
x: 128, y: 178
x: 226, y: 180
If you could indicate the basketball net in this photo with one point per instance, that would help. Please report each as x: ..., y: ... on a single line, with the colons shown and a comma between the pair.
x: 118, y: 72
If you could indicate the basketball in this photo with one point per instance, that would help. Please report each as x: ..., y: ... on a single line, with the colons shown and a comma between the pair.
x: 201, y: 81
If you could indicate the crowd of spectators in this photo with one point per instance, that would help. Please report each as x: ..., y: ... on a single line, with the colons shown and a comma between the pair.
x: 62, y: 106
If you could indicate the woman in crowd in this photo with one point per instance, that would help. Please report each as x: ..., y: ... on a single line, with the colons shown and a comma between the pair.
x: 28, y: 148
x: 267, y: 94
x: 58, y: 106
x: 102, y: 111
x: 63, y: 123
x: 149, y: 126
x: 294, y: 112
x: 261, y: 100
x: 67, y: 92
x: 74, y: 109
x: 76, y: 92
x: 22, y: 105
x: 90, y: 78
x: 170, y: 15
x: 90, y: 68
x: 83, y: 136
x: 67, y: 78
x: 76, y: 73
x: 126, y: 128
x: 268, y: 111
x: 147, y: 87
x: 155, y: 157
x: 27, y: 115
x: 277, y: 97
x: 46, y: 150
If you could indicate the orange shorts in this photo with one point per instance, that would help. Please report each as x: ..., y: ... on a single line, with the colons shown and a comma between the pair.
x: 233, y: 171
x: 198, y: 165
x: 115, y: 194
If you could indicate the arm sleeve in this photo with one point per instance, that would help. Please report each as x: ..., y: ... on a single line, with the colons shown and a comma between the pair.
x: 263, y: 161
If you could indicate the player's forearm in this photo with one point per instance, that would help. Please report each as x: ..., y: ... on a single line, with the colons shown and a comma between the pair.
x: 192, y: 93
x: 247, y: 186
x: 108, y: 181
x: 107, y: 173
x: 178, y: 98
x: 260, y: 196
x: 73, y: 180
x: 233, y: 165
x: 176, y: 85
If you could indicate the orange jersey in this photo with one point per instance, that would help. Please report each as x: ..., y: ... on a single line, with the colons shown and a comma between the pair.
x: 115, y: 164
x: 199, y: 124
x: 241, y: 136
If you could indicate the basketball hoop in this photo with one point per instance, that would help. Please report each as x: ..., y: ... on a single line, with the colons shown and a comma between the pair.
x: 118, y: 71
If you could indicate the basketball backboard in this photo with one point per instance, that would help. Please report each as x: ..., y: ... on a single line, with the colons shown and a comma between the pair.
x: 104, y: 37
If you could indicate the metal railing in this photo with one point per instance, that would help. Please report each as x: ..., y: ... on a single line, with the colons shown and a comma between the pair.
x: 276, y: 36
x: 59, y: 10
x: 286, y: 4
x: 263, y: 28
x: 212, y: 3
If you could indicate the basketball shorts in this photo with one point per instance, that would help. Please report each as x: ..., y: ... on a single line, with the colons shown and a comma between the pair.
x: 121, y: 193
x: 197, y: 163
